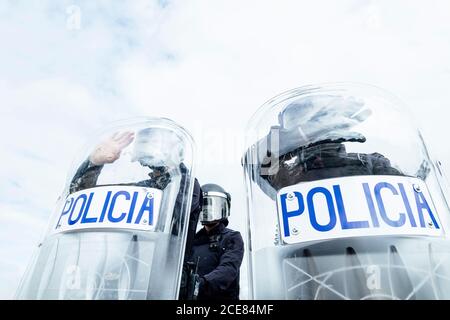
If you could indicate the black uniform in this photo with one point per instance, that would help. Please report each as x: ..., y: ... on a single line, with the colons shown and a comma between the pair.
x: 324, y: 160
x: 219, y: 255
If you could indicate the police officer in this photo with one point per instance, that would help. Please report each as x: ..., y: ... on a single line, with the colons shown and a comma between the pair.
x: 160, y: 162
x: 324, y: 133
x: 314, y: 149
x: 217, y: 251
x: 151, y: 152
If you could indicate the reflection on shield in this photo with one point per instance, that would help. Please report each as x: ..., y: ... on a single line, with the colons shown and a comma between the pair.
x: 118, y: 230
x: 313, y: 274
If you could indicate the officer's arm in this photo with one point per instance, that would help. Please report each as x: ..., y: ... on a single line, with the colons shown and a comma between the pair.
x: 228, y: 269
x: 85, y: 177
x: 108, y: 151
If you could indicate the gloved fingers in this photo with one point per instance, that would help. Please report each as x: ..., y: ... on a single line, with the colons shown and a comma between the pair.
x: 347, y: 106
x: 118, y: 136
x: 335, y: 121
x: 341, y: 108
x: 121, y: 140
x: 125, y: 139
x: 361, y: 115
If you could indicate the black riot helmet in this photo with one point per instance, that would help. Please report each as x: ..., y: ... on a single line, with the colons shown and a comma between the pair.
x: 216, y: 203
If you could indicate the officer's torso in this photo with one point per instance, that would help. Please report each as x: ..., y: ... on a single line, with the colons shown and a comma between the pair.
x: 207, y: 249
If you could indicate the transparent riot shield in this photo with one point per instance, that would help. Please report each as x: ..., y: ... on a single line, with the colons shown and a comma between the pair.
x: 344, y: 200
x: 119, y: 229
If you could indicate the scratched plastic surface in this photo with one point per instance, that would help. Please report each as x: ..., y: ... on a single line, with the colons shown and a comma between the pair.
x: 113, y: 257
x: 314, y: 134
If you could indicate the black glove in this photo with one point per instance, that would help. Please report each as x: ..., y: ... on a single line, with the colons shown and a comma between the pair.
x: 191, y: 282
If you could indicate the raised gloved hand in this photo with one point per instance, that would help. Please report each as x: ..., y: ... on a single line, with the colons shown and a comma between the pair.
x: 322, y: 118
x: 109, y: 150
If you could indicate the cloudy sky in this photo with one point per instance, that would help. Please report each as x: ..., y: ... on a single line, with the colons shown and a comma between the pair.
x: 67, y: 68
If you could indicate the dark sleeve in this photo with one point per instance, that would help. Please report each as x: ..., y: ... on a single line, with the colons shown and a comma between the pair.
x: 196, y: 197
x: 227, y: 271
x: 85, y: 177
x: 382, y: 165
x: 196, y: 208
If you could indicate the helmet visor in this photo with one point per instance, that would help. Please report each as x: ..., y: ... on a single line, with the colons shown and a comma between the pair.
x: 215, y: 207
